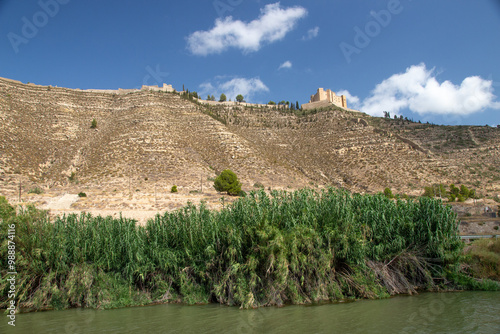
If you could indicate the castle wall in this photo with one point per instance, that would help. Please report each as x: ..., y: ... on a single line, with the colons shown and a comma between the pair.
x: 234, y: 103
x: 324, y: 99
x: 165, y: 88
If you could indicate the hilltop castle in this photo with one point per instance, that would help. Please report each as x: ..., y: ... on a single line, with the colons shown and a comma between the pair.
x: 324, y: 99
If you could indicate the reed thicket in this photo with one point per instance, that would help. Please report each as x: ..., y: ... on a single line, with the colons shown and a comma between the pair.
x: 286, y: 247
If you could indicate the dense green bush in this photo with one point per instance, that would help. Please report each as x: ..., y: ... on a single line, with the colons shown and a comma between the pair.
x: 82, y: 194
x: 464, y: 191
x: 228, y: 182
x: 428, y: 192
x: 454, y: 190
x: 6, y: 210
x: 173, y: 189
x: 453, y: 194
x: 263, y: 249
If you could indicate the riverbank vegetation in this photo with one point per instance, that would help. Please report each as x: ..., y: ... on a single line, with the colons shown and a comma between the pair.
x: 482, y: 258
x: 264, y: 249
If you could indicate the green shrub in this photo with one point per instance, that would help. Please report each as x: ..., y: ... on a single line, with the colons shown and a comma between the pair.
x: 6, y: 210
x: 451, y: 198
x: 388, y: 193
x: 72, y: 177
x: 36, y: 190
x: 173, y: 189
x: 472, y: 193
x: 428, y: 192
x: 242, y: 194
x: 464, y: 191
x: 228, y: 182
x: 484, y: 258
x: 258, y: 185
x: 93, y: 125
x: 454, y: 190
x: 82, y: 194
x: 460, y: 198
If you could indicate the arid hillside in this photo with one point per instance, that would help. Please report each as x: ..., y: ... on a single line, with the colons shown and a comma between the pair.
x: 147, y: 141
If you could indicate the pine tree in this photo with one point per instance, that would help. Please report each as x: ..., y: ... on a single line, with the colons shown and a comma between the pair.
x: 228, y: 182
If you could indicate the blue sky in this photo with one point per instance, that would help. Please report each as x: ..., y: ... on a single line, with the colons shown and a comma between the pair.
x: 435, y: 61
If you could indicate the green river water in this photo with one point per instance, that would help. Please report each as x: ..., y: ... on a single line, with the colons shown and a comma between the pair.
x: 459, y: 312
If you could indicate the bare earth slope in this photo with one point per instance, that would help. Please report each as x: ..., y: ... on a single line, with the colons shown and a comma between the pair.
x: 145, y: 142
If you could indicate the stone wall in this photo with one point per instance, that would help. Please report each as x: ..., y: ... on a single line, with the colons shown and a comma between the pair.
x: 234, y: 104
x: 165, y: 88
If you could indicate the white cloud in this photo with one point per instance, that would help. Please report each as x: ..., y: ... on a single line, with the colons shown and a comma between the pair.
x: 311, y: 33
x: 353, y: 102
x: 272, y: 25
x: 286, y: 64
x: 418, y: 90
x: 231, y: 88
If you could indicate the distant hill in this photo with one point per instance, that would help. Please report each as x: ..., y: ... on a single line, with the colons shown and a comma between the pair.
x: 46, y: 138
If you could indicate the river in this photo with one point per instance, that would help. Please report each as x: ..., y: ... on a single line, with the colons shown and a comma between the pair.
x: 458, y: 312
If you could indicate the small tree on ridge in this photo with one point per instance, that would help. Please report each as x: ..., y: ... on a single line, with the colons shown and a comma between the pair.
x: 228, y: 182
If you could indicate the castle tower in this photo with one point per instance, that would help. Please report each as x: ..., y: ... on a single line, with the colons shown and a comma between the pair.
x: 326, y: 98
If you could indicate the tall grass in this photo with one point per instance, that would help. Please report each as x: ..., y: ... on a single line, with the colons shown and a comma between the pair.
x: 262, y: 250
x: 483, y: 258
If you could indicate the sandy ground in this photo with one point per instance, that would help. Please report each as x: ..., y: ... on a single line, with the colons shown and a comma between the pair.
x: 61, y: 205
x: 138, y: 206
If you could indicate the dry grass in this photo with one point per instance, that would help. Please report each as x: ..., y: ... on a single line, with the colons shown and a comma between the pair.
x: 483, y: 257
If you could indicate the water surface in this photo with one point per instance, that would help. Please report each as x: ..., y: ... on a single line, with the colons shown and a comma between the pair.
x: 460, y: 312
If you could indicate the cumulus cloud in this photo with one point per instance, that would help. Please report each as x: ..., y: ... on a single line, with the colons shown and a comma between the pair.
x: 353, y: 101
x: 232, y: 87
x: 272, y: 25
x: 286, y: 64
x: 418, y: 89
x: 311, y: 33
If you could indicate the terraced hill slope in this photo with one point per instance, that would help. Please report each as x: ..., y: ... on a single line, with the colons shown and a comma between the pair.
x: 146, y: 141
